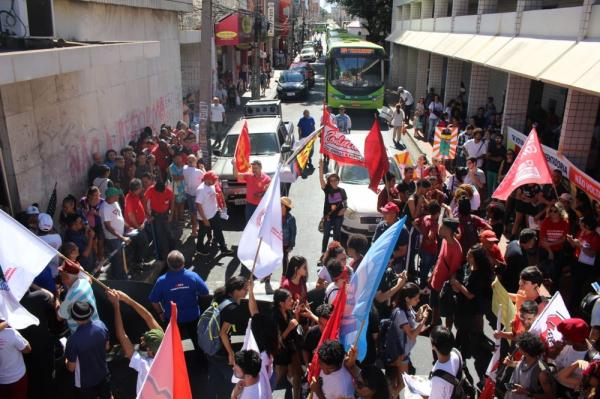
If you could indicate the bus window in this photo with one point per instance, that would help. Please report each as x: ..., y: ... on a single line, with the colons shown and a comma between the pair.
x: 356, y: 71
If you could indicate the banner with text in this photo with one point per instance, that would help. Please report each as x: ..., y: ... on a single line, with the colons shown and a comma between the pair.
x: 336, y: 146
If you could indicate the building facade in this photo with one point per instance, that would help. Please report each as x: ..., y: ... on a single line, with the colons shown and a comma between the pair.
x: 538, y: 59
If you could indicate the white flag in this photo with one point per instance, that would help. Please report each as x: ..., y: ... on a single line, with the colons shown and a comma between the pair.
x: 547, y: 321
x: 265, y: 225
x: 12, y: 311
x: 23, y: 255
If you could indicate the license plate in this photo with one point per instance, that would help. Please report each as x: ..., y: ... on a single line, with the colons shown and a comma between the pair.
x: 291, y: 94
x: 239, y: 201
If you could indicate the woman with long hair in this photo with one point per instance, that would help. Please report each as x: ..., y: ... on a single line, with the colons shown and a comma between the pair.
x: 334, y: 206
x: 397, y: 124
x: 295, y: 278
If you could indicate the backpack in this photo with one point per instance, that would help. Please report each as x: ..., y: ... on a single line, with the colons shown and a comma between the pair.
x: 390, y: 345
x: 588, y: 302
x: 209, y: 327
x: 462, y: 381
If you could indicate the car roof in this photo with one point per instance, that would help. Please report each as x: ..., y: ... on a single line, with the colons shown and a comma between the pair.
x: 265, y: 124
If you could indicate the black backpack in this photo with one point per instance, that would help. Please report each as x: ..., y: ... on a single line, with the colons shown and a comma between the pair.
x: 462, y: 381
x: 390, y: 345
x: 588, y: 302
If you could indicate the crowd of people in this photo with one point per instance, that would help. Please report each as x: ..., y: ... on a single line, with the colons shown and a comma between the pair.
x: 438, y: 281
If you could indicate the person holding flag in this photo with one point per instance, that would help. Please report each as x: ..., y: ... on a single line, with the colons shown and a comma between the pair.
x: 333, y: 208
x: 257, y: 183
x: 207, y: 209
x: 306, y: 125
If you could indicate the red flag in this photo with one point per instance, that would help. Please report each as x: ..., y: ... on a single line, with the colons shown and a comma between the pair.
x: 331, y: 331
x: 376, y: 158
x: 242, y: 150
x: 529, y: 167
x: 168, y: 376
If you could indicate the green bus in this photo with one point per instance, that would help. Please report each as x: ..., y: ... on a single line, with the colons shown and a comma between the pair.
x: 354, y: 73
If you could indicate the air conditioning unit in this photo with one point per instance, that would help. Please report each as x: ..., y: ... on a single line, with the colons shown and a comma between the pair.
x: 27, y: 18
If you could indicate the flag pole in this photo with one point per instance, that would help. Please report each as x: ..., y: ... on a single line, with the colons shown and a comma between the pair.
x: 255, y: 258
x: 94, y: 279
x: 362, y: 325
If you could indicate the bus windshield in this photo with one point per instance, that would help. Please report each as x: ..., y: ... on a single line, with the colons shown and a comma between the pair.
x: 356, y: 71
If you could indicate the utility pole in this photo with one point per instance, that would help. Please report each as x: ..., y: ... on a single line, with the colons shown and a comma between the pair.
x: 256, y: 53
x: 205, y: 91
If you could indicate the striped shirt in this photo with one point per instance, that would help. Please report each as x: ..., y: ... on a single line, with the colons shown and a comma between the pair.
x: 81, y: 290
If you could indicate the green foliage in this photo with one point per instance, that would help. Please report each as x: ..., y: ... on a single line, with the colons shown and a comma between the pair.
x: 377, y: 15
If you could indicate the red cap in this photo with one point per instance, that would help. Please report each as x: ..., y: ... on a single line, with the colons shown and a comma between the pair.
x: 69, y: 267
x: 574, y: 330
x: 210, y: 175
x: 389, y: 208
x: 488, y: 235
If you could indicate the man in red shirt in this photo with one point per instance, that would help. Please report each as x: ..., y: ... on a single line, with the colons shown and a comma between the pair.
x: 428, y: 227
x: 135, y: 217
x: 587, y: 248
x: 450, y: 259
x: 161, y: 152
x: 159, y: 200
x: 257, y: 183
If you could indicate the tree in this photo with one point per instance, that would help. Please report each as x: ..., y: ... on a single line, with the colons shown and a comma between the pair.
x: 377, y: 15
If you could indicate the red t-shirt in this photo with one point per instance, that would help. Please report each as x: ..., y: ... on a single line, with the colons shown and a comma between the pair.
x: 496, y: 253
x: 298, y: 291
x: 162, y: 159
x: 449, y: 261
x: 429, y: 228
x: 551, y: 231
x: 133, y: 204
x: 255, y: 186
x: 589, y: 240
x: 159, y: 202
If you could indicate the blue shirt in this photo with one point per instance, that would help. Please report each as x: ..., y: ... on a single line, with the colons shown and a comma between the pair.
x: 306, y: 126
x: 182, y: 287
x: 87, y: 349
x: 45, y: 280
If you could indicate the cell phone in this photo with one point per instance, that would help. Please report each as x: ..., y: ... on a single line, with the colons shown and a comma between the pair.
x: 596, y: 286
x: 509, y: 386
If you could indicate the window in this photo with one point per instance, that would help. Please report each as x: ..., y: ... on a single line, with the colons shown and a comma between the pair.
x: 356, y: 71
x: 260, y: 143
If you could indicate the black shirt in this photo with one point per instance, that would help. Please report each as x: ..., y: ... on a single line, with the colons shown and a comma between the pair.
x: 335, y: 200
x: 495, y: 150
x: 41, y: 305
x: 478, y: 284
x: 311, y: 341
x: 234, y: 315
x: 516, y: 260
x: 388, y: 281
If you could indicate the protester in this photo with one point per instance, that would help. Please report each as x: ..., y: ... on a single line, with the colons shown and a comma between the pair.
x: 448, y: 360
x: 257, y: 183
x: 209, y: 217
x: 78, y: 290
x: 247, y: 367
x: 288, y: 226
x: 217, y: 120
x: 13, y: 374
x: 294, y: 279
x: 335, y: 381
x: 397, y: 122
x: 192, y: 177
x: 113, y: 225
x: 333, y: 208
x: 342, y: 121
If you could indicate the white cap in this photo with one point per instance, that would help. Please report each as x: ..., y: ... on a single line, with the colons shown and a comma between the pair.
x: 45, y: 222
x: 32, y: 210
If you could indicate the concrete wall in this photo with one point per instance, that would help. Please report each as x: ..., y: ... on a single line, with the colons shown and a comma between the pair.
x: 55, y: 123
x: 190, y: 72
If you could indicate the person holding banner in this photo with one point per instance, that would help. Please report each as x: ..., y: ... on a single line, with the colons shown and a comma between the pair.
x: 333, y: 207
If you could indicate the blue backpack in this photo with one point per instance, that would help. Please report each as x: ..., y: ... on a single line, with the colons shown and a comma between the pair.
x: 209, y: 327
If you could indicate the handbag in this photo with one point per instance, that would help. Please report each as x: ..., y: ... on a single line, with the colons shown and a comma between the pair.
x: 322, y: 225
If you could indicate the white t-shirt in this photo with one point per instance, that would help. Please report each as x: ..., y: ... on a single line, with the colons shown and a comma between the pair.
x: 568, y: 356
x: 55, y: 242
x: 595, y: 322
x: 407, y: 97
x: 12, y: 366
x: 112, y: 213
x: 440, y: 388
x: 141, y: 364
x: 331, y: 292
x: 338, y: 384
x: 193, y: 178
x: 475, y: 150
x: 255, y: 391
x: 437, y: 107
x: 397, y: 118
x: 207, y: 197
x: 480, y: 176
x: 216, y: 112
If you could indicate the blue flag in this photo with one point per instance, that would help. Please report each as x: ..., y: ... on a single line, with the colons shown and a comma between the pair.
x: 363, y: 286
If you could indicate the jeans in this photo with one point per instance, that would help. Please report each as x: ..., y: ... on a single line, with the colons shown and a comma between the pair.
x: 217, y: 228
x: 492, y: 182
x: 163, y: 239
x: 250, y: 208
x: 334, y: 222
x: 138, y: 246
x: 427, y: 262
x: 216, y: 130
x: 219, y: 378
x: 117, y: 270
x: 431, y: 128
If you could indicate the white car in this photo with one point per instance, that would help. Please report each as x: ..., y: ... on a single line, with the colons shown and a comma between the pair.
x: 308, y: 54
x: 362, y: 215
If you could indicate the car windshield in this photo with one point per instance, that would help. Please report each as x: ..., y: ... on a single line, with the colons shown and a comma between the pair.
x: 287, y: 77
x: 356, y: 71
x: 260, y: 144
x: 307, y: 51
x: 359, y: 175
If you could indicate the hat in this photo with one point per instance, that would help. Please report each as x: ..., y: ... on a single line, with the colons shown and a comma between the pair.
x: 69, y: 268
x: 566, y: 197
x: 341, y: 107
x: 488, y: 235
x: 112, y: 191
x: 287, y: 202
x: 574, y: 330
x: 452, y: 224
x: 210, y: 175
x: 390, y: 207
x: 153, y: 338
x: 81, y: 311
x: 32, y: 210
x: 45, y: 222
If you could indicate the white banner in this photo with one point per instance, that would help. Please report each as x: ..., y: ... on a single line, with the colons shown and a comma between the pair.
x: 547, y: 321
x: 12, y: 311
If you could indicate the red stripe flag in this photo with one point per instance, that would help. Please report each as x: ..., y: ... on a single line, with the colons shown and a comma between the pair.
x: 375, y: 156
x: 529, y: 167
x: 331, y: 331
x: 168, y: 376
x: 242, y: 150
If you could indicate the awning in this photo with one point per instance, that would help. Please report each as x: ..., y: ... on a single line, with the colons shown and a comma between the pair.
x: 589, y: 82
x: 412, y: 38
x: 576, y: 64
x: 481, y: 48
x: 528, y: 56
x: 452, y: 44
x: 432, y: 40
x: 395, y: 35
x: 234, y: 29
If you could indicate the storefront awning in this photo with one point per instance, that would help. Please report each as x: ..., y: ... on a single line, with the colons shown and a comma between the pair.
x: 577, y: 68
x: 395, y: 35
x: 529, y: 57
x: 234, y: 29
x: 452, y: 44
x: 481, y: 48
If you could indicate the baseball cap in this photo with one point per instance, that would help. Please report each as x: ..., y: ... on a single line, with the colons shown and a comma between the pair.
x: 45, y: 222
x: 210, y: 175
x: 32, y: 210
x: 488, y: 235
x: 390, y: 207
x: 69, y: 268
x: 153, y: 338
x: 81, y: 311
x: 112, y: 191
x: 574, y: 330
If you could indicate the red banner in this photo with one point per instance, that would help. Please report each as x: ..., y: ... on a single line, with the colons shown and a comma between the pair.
x: 375, y: 156
x: 336, y: 146
x: 530, y: 167
x: 584, y: 182
x: 242, y: 150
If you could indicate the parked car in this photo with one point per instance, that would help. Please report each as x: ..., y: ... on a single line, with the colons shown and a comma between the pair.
x: 308, y: 54
x: 292, y: 85
x: 271, y: 142
x: 306, y: 69
x: 362, y: 214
